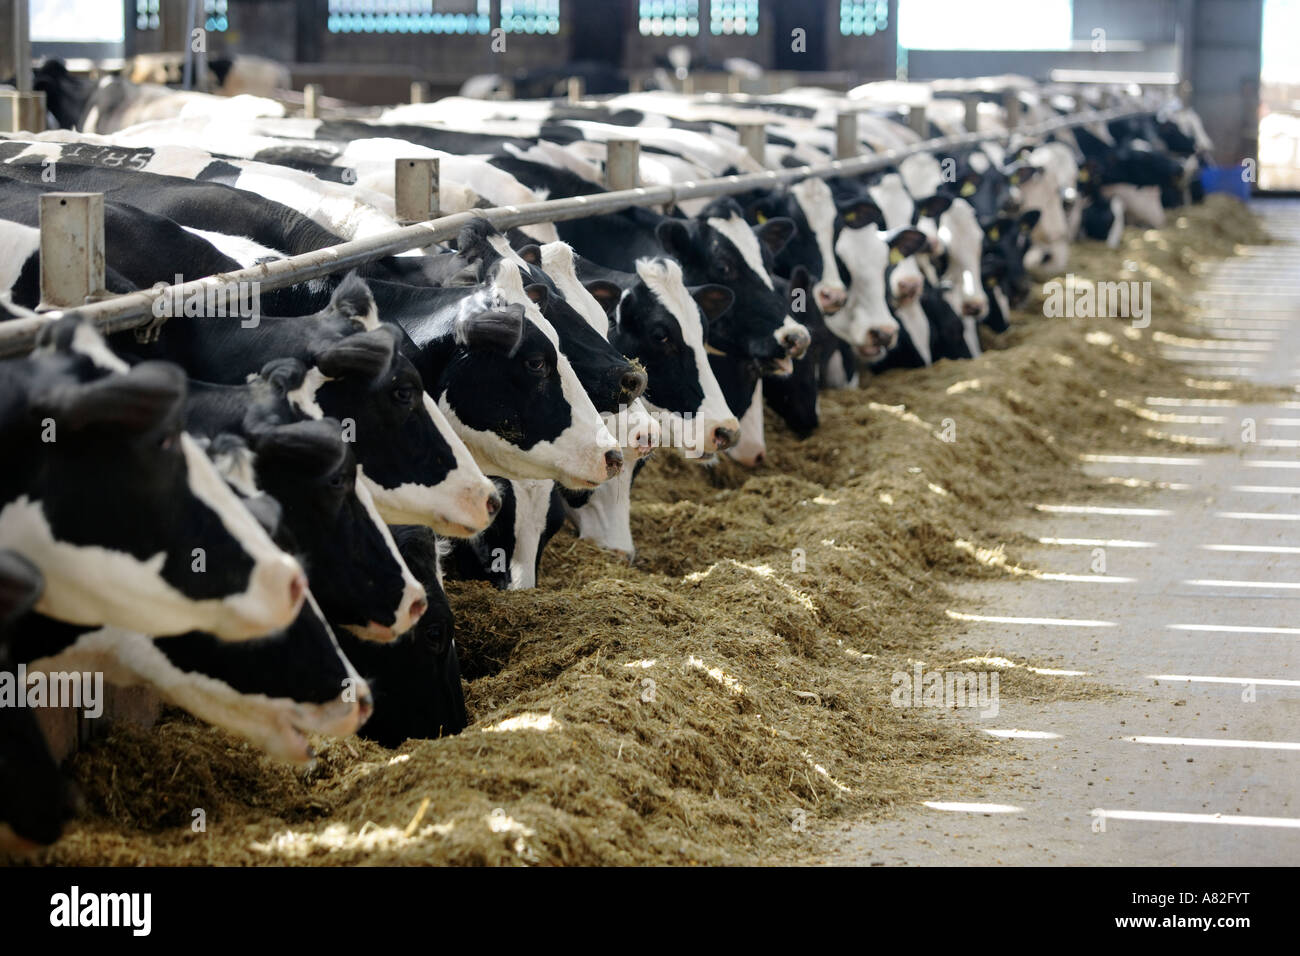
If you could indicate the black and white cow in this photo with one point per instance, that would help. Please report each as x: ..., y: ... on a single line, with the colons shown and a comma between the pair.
x: 416, y: 680
x: 176, y: 550
x: 328, y: 514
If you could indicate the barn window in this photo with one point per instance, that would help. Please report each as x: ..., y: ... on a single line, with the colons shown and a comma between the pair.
x: 962, y: 25
x: 863, y: 18
x: 733, y: 17
x: 215, y: 16
x: 669, y: 18
x: 530, y: 16
x: 146, y: 14
x: 410, y: 16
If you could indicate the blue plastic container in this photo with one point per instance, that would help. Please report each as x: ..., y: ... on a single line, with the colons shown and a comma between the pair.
x: 1225, y: 179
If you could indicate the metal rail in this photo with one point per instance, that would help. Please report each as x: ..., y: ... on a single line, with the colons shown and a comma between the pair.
x: 135, y: 309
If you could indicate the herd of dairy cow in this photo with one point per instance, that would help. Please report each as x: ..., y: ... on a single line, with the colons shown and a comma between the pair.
x: 253, y: 515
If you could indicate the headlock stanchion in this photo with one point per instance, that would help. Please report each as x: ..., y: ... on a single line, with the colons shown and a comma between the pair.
x: 135, y: 309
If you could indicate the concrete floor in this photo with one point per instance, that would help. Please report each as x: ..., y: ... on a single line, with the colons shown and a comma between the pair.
x: 1196, y: 620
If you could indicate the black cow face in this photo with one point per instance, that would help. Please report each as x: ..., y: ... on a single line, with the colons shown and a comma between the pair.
x: 415, y: 474
x: 794, y: 397
x: 356, y: 573
x: 175, y: 549
x: 719, y: 248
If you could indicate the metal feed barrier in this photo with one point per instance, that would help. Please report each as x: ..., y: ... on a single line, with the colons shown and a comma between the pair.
x: 72, y: 225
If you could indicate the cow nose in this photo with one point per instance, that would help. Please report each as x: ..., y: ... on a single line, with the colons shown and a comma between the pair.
x: 831, y: 300
x: 493, y: 503
x: 613, y: 462
x: 909, y: 287
x: 724, y: 438
x: 795, y: 339
x: 884, y: 338
x: 974, y: 308
x: 365, y: 706
x: 633, y: 382
x: 297, y: 588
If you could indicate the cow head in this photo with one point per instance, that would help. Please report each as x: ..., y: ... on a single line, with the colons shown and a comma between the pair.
x: 124, y: 515
x: 416, y: 469
x: 810, y: 205
x: 720, y: 248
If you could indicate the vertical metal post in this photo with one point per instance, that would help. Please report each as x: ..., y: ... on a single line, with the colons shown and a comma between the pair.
x: 972, y: 114
x: 311, y: 94
x: 72, y: 248
x: 688, y: 84
x: 846, y: 135
x: 733, y: 83
x: 419, y: 91
x: 575, y: 89
x: 415, y: 189
x: 22, y: 48
x: 1011, y: 102
x: 753, y: 136
x: 917, y: 120
x: 622, y: 163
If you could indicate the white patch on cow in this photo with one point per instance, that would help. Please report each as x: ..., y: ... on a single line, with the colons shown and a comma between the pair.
x: 557, y: 262
x: 1117, y: 224
x: 532, y: 501
x: 412, y: 590
x: 865, y: 253
x: 834, y: 375
x: 741, y: 235
x: 912, y: 317
x: 606, y: 517
x: 752, y: 446
x: 276, y: 725
x: 818, y: 206
x: 88, y: 342
x: 962, y: 237
x: 921, y: 174
x: 979, y: 162
x: 891, y: 195
x: 663, y: 277
x: 236, y: 466
x: 18, y: 243
x: 94, y: 586
x: 240, y: 248
x: 303, y: 397
x: 576, y: 458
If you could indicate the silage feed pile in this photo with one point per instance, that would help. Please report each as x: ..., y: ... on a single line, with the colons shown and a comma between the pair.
x: 729, y: 694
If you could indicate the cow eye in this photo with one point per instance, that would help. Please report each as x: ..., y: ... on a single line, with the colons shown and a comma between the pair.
x: 659, y: 336
x: 338, y: 481
x: 535, y: 364
x: 403, y: 395
x: 169, y: 441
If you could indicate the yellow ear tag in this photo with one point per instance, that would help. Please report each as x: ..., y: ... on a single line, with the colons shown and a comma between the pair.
x: 761, y: 219
x: 968, y: 189
x: 1015, y: 179
x: 895, y: 257
x: 1083, y: 175
x: 851, y: 217
x: 994, y: 233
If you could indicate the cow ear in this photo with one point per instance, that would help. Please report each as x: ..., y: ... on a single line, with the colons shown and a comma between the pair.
x: 934, y: 206
x: 904, y: 243
x: 775, y: 233
x: 999, y: 228
x: 713, y: 300
x: 859, y: 213
x: 969, y: 184
x: 137, y: 400
x: 538, y: 293
x: 353, y: 299
x: 283, y: 374
x: 1029, y: 220
x: 1022, y: 173
x: 800, y: 279
x: 367, y: 354
x: 760, y: 210
x: 606, y: 293
x: 314, y: 446
x: 501, y: 329
x: 675, y: 239
x: 531, y: 253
